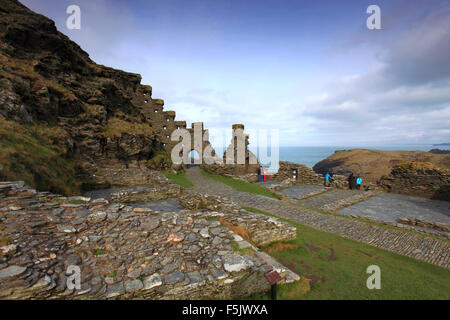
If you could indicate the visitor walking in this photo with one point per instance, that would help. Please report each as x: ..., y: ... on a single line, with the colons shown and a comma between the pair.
x: 327, y: 182
x: 358, y: 183
x: 259, y: 174
x: 351, y: 181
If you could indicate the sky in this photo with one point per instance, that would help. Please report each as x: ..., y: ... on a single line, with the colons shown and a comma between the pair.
x: 310, y: 69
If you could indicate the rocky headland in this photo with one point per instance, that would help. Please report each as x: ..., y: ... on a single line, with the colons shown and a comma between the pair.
x: 373, y: 164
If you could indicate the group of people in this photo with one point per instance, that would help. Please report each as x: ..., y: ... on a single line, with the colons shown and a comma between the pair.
x: 354, y: 182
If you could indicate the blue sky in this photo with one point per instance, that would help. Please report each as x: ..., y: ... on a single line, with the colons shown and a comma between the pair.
x: 310, y: 69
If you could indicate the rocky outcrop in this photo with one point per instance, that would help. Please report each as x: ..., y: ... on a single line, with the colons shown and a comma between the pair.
x: 371, y: 165
x: 419, y: 179
x: 54, y: 97
x: 125, y: 252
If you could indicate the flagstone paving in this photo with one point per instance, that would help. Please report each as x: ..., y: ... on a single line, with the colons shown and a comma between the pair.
x: 413, y: 245
x: 390, y: 207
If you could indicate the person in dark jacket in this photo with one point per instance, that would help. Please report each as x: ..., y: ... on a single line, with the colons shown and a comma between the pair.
x: 259, y: 174
x: 351, y: 181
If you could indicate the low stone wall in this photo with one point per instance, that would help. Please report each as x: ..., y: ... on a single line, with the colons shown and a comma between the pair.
x: 232, y: 170
x: 425, y: 224
x: 144, y: 193
x: 123, y: 252
x: 122, y: 177
x: 257, y: 228
x: 305, y: 175
x: 418, y: 179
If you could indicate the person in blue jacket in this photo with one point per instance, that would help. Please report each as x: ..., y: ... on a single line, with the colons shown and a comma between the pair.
x: 327, y: 181
x: 358, y: 183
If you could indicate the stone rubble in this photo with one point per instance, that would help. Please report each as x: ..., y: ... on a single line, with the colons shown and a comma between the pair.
x: 131, y: 253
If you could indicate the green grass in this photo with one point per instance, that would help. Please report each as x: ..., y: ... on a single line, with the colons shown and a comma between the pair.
x: 99, y: 252
x: 178, y: 178
x: 339, y: 266
x: 36, y: 154
x: 235, y: 248
x: 241, y: 185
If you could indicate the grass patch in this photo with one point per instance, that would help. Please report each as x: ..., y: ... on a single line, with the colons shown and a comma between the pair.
x: 36, y: 155
x: 241, y: 185
x: 5, y: 241
x: 178, y: 178
x: 116, y: 127
x: 160, y: 160
x: 238, y: 250
x: 99, y: 252
x: 336, y: 268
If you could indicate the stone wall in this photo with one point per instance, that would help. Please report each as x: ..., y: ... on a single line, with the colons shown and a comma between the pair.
x: 418, y: 179
x: 305, y: 175
x: 238, y: 162
x: 258, y: 229
x: 125, y: 252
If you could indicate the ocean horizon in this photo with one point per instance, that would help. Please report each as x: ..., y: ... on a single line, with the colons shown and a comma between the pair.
x: 311, y: 155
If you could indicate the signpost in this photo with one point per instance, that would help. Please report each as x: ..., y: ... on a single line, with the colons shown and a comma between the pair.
x: 273, y: 278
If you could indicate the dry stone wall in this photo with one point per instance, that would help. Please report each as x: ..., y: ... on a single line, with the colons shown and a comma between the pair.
x: 419, y: 179
x: 305, y: 175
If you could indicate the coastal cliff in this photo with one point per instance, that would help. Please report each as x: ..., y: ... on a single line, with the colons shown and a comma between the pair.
x: 373, y: 164
x: 62, y: 116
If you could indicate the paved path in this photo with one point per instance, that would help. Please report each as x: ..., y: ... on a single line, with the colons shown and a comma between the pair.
x: 412, y: 245
x: 390, y: 207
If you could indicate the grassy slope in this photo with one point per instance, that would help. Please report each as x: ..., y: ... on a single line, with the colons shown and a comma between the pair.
x: 241, y: 185
x: 178, y: 178
x: 30, y: 153
x: 339, y: 265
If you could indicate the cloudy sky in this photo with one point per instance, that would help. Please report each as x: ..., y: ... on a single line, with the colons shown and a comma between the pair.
x: 310, y: 69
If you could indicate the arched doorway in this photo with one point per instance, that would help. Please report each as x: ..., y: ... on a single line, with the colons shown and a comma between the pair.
x: 194, y: 158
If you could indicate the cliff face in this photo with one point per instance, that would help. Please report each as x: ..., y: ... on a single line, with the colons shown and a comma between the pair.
x: 61, y: 115
x: 371, y: 165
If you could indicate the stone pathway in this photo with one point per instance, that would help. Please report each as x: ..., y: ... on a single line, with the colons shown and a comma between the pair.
x: 412, y: 245
x: 301, y: 191
x: 390, y: 207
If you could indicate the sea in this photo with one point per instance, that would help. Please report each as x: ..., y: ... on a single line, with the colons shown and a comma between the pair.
x: 311, y: 155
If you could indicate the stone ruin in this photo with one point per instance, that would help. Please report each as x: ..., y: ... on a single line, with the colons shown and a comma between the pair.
x: 238, y: 161
x: 123, y: 251
x: 164, y: 124
x: 421, y: 179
